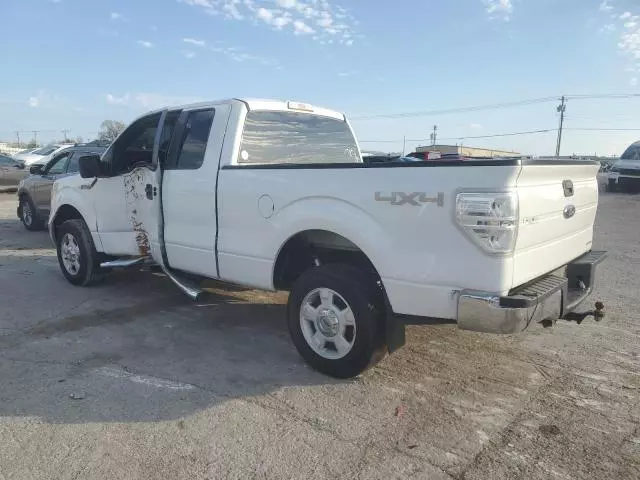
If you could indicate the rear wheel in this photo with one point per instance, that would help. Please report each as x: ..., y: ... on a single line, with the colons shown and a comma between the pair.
x: 336, y: 321
x: 77, y: 255
x: 28, y: 214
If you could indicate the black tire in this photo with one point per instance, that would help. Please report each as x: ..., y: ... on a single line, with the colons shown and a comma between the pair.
x: 33, y: 221
x: 363, y: 296
x: 88, y: 271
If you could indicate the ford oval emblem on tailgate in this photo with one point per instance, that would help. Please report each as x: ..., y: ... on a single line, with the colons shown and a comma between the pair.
x: 569, y: 211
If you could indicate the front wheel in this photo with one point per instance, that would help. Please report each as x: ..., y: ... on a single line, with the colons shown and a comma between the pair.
x: 77, y: 255
x: 29, y: 215
x: 336, y: 321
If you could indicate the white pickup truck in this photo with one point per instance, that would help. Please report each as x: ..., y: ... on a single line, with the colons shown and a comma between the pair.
x: 275, y: 195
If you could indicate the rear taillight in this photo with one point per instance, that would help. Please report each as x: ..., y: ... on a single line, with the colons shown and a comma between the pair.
x: 489, y: 219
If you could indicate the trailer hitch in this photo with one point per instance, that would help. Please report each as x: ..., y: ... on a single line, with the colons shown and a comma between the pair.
x: 597, y: 314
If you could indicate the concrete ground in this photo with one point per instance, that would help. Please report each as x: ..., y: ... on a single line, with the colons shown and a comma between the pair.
x: 130, y: 380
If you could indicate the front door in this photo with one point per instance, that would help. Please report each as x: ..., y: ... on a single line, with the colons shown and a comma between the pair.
x: 127, y: 203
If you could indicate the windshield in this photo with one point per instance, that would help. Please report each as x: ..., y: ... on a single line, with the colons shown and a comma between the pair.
x: 632, y: 153
x: 48, y: 150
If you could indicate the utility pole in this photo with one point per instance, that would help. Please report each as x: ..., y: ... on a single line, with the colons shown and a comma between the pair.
x: 561, y: 109
x: 18, y: 136
x: 35, y: 137
x: 64, y: 132
x: 404, y: 144
x: 434, y: 135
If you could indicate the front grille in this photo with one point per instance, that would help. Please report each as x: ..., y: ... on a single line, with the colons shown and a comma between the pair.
x: 634, y: 182
x: 630, y: 171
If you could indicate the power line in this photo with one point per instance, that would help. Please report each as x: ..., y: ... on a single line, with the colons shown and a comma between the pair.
x: 494, y: 106
x: 458, y: 110
x: 509, y: 134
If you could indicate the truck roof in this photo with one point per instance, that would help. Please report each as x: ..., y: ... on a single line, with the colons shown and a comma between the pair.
x: 266, y: 104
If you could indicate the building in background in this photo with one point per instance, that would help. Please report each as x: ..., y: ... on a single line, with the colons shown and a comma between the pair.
x: 437, y: 151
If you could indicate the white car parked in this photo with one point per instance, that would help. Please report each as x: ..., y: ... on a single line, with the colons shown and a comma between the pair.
x: 275, y: 195
x: 41, y: 155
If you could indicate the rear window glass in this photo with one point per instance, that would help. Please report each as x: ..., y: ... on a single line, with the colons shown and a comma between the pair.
x: 632, y: 153
x: 293, y: 137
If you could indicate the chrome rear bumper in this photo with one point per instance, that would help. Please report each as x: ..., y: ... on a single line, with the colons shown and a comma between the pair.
x: 546, y: 299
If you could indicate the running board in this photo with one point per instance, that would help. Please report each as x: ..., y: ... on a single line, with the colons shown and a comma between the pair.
x: 187, y: 286
x: 123, y: 262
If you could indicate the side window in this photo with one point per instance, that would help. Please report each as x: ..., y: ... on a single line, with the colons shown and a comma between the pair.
x: 194, y: 139
x: 294, y: 137
x: 134, y: 147
x: 58, y: 165
x: 72, y: 166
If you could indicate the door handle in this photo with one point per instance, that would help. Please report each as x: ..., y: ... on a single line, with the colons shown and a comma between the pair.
x: 150, y: 191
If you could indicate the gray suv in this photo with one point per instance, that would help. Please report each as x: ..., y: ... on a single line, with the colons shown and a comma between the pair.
x: 34, y: 192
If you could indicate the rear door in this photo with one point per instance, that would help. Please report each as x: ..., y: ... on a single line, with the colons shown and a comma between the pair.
x: 558, y: 202
x: 189, y: 189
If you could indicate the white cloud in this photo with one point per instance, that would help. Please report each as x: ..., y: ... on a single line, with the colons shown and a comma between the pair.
x: 633, y: 82
x: 608, y: 28
x: 146, y: 44
x: 113, y: 100
x: 265, y: 15
x: 231, y: 9
x: 193, y: 41
x: 148, y: 101
x: 476, y: 126
x: 302, y: 28
x: 116, y: 15
x: 605, y: 7
x: 630, y: 24
x: 34, y: 102
x: 499, y: 9
x: 189, y: 55
x: 625, y: 15
x: 300, y: 17
x: 287, y: 3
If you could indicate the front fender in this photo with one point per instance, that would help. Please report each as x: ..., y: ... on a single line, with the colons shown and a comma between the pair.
x: 65, y: 194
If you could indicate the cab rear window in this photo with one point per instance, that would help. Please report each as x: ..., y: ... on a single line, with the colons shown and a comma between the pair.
x: 293, y: 137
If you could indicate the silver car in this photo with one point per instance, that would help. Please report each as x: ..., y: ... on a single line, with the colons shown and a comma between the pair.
x: 11, y: 171
x: 34, y: 192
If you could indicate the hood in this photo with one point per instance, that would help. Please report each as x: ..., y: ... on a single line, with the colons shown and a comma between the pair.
x: 633, y: 164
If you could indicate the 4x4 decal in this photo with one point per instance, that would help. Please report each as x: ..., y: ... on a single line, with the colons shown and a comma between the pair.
x: 414, y: 198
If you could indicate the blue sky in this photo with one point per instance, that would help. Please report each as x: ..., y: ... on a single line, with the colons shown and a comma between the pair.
x: 69, y: 64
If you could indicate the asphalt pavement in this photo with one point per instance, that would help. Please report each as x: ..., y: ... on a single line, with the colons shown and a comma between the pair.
x: 129, y: 379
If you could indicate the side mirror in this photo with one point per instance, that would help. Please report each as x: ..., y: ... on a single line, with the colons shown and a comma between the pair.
x: 89, y: 166
x: 20, y: 166
x: 36, y: 169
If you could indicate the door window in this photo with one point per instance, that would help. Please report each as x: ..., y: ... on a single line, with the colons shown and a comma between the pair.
x: 58, y: 165
x: 194, y: 139
x: 134, y: 147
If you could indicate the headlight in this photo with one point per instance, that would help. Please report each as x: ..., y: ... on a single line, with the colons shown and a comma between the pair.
x: 489, y: 219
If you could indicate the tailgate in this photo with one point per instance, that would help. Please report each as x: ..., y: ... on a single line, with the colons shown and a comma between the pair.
x: 558, y: 202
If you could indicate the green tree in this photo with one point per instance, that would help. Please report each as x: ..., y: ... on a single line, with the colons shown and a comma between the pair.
x: 110, y: 129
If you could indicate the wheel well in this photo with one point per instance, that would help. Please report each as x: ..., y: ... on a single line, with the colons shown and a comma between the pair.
x: 312, y: 248
x: 64, y: 213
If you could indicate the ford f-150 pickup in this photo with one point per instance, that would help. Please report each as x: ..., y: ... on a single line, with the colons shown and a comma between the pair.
x: 275, y: 195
